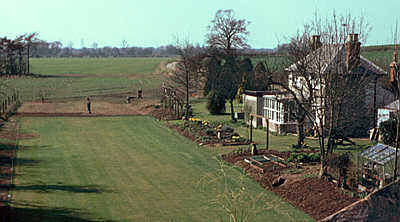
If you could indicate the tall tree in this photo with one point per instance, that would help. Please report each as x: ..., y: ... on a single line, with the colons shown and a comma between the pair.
x: 261, y: 77
x: 227, y: 33
x: 231, y: 81
x: 247, y: 74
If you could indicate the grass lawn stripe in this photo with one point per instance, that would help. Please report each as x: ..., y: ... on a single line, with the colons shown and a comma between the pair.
x: 143, y: 171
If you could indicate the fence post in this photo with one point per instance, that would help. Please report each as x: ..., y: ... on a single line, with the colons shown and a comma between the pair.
x: 251, y: 129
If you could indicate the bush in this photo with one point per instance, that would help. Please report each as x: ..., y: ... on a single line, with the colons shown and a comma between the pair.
x: 292, y: 157
x: 304, y: 157
x: 388, y: 131
x: 215, y: 103
x: 301, y: 158
x: 314, y: 157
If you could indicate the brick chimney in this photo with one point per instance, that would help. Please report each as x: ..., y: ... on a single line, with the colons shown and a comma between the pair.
x: 394, y: 68
x: 353, y: 47
x: 315, y: 42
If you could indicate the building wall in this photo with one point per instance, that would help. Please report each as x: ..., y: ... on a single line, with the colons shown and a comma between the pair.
x: 252, y: 105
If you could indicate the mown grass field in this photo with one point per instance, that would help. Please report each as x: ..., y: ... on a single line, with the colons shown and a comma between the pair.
x: 123, y: 169
x: 79, y: 77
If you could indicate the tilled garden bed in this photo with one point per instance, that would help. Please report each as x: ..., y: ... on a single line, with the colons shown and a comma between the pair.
x: 302, y: 188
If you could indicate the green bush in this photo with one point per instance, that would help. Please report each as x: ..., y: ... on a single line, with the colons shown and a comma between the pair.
x: 292, y: 157
x: 314, y: 157
x: 301, y: 158
x: 215, y: 103
x: 304, y: 157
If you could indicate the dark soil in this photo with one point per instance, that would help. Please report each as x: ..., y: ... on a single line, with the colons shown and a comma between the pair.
x: 303, y: 189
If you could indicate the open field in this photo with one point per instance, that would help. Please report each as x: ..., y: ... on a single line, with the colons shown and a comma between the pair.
x: 71, y: 78
x: 121, y: 169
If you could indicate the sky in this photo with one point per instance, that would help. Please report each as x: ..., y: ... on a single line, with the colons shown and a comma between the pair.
x: 153, y: 23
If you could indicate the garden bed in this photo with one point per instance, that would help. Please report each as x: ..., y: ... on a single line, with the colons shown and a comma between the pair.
x: 302, y: 188
x: 209, y: 133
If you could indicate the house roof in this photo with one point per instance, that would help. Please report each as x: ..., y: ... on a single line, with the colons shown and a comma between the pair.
x: 326, y: 57
x: 394, y: 105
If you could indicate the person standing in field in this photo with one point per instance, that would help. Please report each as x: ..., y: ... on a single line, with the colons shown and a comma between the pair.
x: 140, y: 93
x: 88, y: 104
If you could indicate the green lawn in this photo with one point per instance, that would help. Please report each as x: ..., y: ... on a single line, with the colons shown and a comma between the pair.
x: 123, y: 169
x: 79, y: 77
x: 96, y: 66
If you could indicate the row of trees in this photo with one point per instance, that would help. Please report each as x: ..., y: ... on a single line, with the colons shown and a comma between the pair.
x: 43, y: 48
x: 14, y: 54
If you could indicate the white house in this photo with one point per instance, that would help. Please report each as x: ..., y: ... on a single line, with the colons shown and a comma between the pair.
x: 329, y: 58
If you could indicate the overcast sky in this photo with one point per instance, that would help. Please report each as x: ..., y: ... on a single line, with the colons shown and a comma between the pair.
x: 158, y: 22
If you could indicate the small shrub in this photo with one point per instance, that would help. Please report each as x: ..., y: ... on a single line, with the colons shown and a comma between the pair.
x: 292, y: 157
x: 301, y: 158
x: 215, y: 103
x: 314, y: 157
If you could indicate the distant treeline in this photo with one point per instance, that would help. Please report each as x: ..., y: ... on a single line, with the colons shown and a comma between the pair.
x: 43, y: 48
x: 378, y: 48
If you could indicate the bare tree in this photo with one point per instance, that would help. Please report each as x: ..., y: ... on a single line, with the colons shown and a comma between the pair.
x: 187, y: 70
x: 394, y: 88
x: 326, y: 79
x: 227, y: 32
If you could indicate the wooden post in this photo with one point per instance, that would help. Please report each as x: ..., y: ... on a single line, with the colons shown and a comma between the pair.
x: 251, y: 129
x: 267, y: 136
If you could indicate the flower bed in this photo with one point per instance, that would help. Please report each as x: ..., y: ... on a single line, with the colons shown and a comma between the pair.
x: 205, y: 132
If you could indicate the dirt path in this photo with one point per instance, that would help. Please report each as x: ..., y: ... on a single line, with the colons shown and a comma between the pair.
x: 78, y: 108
